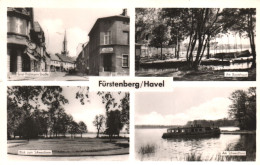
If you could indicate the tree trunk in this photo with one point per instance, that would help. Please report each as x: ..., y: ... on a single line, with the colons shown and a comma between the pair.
x: 161, y: 53
x: 208, y: 48
x: 98, y: 133
x: 252, y: 41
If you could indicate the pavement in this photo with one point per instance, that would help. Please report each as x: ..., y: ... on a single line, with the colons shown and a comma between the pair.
x: 54, y: 76
x: 72, y: 158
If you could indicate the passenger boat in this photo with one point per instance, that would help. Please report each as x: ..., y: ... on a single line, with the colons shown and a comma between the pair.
x: 191, y: 132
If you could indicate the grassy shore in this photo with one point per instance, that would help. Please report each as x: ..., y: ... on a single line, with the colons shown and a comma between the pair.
x: 72, y: 147
x: 200, y: 75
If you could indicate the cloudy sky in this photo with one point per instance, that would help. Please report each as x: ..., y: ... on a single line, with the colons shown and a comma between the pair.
x: 76, y: 21
x: 88, y: 111
x: 182, y: 105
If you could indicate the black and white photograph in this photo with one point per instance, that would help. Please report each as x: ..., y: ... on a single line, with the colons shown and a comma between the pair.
x: 67, y: 123
x: 196, y: 44
x: 196, y: 124
x: 67, y: 44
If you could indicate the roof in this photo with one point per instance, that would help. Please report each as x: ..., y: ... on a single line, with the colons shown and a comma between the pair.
x: 65, y: 58
x: 54, y: 57
x: 110, y: 17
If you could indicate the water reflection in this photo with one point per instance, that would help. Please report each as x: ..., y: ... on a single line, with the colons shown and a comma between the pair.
x: 206, y: 148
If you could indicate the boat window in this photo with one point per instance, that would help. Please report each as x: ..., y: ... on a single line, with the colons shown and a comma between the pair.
x: 200, y: 129
x: 183, y: 130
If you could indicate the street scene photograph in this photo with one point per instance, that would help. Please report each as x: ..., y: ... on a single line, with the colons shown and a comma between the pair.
x: 67, y: 44
x: 196, y: 44
x: 196, y: 124
x: 67, y: 123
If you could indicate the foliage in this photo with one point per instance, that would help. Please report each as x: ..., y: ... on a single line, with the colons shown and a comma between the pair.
x: 209, y: 123
x: 98, y: 123
x: 243, y: 108
x: 122, y: 105
x: 113, y: 123
x: 26, y: 120
x: 160, y: 37
x: 147, y: 149
x: 82, y: 127
x: 242, y: 21
x: 83, y: 94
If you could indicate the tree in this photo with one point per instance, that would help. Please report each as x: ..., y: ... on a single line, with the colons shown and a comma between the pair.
x: 22, y: 108
x: 160, y: 37
x: 243, y: 21
x: 98, y: 123
x: 145, y: 20
x: 114, y: 123
x: 82, y: 128
x: 174, y: 19
x: 125, y: 110
x: 243, y: 108
x: 73, y: 128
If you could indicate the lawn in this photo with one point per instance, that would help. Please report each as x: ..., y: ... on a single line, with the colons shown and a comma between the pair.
x: 72, y: 147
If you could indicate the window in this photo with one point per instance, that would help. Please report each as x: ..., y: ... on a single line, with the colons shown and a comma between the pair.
x: 18, y: 25
x: 8, y: 24
x: 107, y: 38
x: 126, y: 37
x: 125, y: 61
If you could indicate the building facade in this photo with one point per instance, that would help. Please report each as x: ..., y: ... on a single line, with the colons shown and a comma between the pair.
x: 55, y: 64
x: 82, y: 61
x: 19, y: 24
x: 26, y: 50
x: 109, y: 46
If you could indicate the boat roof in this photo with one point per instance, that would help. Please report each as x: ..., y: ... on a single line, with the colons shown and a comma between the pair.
x: 187, y: 127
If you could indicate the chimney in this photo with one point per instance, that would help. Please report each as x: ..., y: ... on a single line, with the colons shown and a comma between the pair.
x: 124, y: 12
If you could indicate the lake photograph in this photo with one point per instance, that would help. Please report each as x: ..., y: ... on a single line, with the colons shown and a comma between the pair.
x: 66, y: 123
x: 196, y: 124
x: 195, y: 44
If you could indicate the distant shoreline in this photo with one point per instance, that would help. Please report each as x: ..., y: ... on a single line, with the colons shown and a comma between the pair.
x: 239, y: 132
x: 163, y: 126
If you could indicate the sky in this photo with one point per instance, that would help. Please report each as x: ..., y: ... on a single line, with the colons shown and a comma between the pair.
x: 89, y: 110
x: 76, y: 21
x: 182, y: 105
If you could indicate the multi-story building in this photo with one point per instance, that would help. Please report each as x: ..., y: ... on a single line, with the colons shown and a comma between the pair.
x: 55, y: 64
x: 67, y: 63
x: 38, y: 37
x: 26, y: 50
x: 82, y: 62
x: 19, y: 25
x: 109, y: 46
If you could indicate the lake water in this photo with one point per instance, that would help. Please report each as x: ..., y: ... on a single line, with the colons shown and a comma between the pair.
x: 178, y: 149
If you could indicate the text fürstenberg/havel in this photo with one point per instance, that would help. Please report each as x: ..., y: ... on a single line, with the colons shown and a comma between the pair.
x: 136, y: 85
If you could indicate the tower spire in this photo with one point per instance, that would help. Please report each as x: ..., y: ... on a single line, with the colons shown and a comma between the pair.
x: 64, y: 50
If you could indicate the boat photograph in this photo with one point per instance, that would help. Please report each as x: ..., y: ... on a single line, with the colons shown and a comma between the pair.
x: 196, y: 124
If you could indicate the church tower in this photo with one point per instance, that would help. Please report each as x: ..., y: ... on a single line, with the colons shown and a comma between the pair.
x: 64, y: 46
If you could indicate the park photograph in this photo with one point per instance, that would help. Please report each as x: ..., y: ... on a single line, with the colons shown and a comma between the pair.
x: 67, y: 123
x: 196, y: 124
x: 196, y: 44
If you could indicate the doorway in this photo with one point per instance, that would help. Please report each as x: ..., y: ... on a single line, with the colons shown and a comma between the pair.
x: 107, y: 62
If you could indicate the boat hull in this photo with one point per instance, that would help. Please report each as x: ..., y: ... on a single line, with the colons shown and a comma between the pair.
x: 191, y: 135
